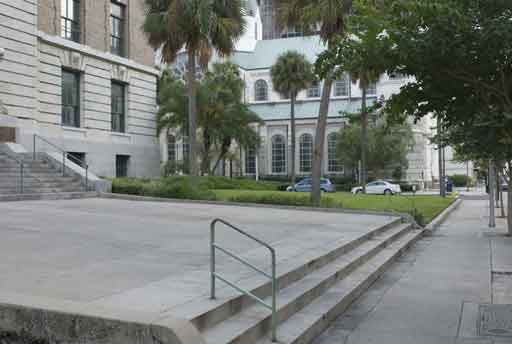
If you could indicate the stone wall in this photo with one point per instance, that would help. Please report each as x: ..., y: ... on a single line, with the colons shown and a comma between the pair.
x: 18, y: 38
x: 95, y: 26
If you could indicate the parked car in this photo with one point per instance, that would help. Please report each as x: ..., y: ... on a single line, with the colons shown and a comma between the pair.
x: 379, y: 187
x: 305, y: 185
x: 504, y: 186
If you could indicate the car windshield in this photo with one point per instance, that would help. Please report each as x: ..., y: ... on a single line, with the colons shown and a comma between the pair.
x: 324, y: 181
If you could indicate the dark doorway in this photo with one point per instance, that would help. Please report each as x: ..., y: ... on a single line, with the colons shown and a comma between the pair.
x: 122, y: 164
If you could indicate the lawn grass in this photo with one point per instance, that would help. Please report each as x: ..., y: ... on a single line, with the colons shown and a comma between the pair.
x: 427, y: 207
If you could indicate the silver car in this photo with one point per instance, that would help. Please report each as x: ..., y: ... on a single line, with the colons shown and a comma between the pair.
x: 379, y: 187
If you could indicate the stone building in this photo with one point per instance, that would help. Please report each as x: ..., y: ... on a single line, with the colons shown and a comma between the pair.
x: 80, y: 75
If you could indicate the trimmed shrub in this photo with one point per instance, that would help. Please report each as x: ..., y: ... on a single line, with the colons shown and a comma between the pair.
x: 289, y: 199
x: 460, y: 180
x: 178, y: 187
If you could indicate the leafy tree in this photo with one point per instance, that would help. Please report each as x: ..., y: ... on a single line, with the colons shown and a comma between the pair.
x: 328, y: 18
x: 200, y: 26
x: 223, y: 118
x: 387, y: 145
x: 460, y: 53
x: 291, y: 74
x: 364, y: 54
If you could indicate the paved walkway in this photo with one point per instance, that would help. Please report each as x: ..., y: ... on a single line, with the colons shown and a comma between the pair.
x: 432, y: 294
x: 145, y: 256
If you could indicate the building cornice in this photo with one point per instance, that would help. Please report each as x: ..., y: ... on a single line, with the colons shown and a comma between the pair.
x: 87, y: 51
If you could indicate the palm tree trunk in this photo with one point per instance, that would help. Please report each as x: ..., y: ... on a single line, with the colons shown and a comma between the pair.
x: 318, y: 152
x: 192, y: 111
x: 364, y: 140
x: 292, y: 115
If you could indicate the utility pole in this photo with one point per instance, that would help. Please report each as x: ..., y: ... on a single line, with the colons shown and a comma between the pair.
x: 492, y: 175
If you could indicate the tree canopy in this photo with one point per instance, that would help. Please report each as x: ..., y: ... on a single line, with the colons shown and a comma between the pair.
x: 223, y: 118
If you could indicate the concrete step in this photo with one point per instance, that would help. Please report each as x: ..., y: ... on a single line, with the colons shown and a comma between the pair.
x: 38, y: 190
x: 254, y: 321
x: 311, y: 321
x: 205, y: 313
x: 50, y: 196
x: 30, y: 179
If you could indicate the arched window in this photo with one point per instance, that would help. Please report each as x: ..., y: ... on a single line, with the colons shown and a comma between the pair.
x: 306, y: 153
x: 261, y: 91
x: 171, y: 148
x: 250, y: 161
x: 333, y: 163
x: 342, y: 86
x: 278, y: 154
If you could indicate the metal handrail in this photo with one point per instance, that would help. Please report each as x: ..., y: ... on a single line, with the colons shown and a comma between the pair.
x: 22, y: 170
x: 65, y: 156
x: 214, y: 275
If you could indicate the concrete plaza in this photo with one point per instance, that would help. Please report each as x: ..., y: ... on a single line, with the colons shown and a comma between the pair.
x: 146, y: 257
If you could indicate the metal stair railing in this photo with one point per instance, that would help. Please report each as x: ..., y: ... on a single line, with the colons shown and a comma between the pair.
x: 22, y: 170
x: 272, y: 276
x: 80, y: 162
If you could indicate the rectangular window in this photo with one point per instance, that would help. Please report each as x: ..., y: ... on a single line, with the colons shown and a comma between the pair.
x: 77, y: 158
x: 70, y: 20
x: 70, y: 99
x: 342, y: 87
x: 250, y: 161
x: 314, y: 90
x: 372, y: 89
x: 122, y: 162
x: 118, y: 107
x: 117, y: 28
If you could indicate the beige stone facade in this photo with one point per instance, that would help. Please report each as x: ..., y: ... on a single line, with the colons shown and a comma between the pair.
x: 36, y: 56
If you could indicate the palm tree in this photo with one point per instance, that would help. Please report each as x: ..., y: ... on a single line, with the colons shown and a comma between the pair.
x: 328, y: 18
x: 291, y: 74
x: 199, y: 26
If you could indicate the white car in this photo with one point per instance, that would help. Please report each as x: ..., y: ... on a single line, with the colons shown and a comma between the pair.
x: 379, y: 187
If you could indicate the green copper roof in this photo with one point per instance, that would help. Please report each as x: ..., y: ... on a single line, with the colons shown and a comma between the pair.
x: 267, y: 51
x: 304, y: 109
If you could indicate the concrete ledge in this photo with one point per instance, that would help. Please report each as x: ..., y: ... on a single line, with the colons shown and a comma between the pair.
x: 438, y: 221
x: 251, y: 205
x: 47, y: 197
x: 39, y: 326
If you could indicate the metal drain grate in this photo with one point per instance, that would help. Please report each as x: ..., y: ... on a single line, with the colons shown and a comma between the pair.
x: 495, y: 320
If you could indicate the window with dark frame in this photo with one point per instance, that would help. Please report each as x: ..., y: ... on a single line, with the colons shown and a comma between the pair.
x: 171, y: 148
x: 118, y: 107
x: 250, y: 161
x: 278, y: 155
x: 70, y: 20
x: 306, y: 153
x: 117, y: 28
x: 261, y: 90
x: 334, y: 165
x: 70, y: 98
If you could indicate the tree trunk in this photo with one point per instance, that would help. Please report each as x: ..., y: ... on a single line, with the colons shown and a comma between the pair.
x: 205, y: 162
x: 318, y: 152
x: 364, y: 140
x: 509, y: 208
x: 492, y: 175
x: 442, y: 184
x: 192, y: 111
x: 292, y: 116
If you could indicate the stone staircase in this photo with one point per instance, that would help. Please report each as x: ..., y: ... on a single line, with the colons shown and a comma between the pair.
x: 39, y: 176
x: 313, y: 291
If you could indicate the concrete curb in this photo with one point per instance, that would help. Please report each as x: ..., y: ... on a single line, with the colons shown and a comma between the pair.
x: 48, y: 196
x: 439, y: 219
x: 249, y: 205
x: 34, y: 325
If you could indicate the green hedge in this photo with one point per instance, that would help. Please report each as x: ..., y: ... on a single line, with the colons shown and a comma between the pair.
x: 165, y: 188
x: 289, y: 199
x: 460, y: 180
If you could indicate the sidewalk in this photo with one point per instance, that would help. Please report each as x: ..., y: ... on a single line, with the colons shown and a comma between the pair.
x: 437, y: 292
